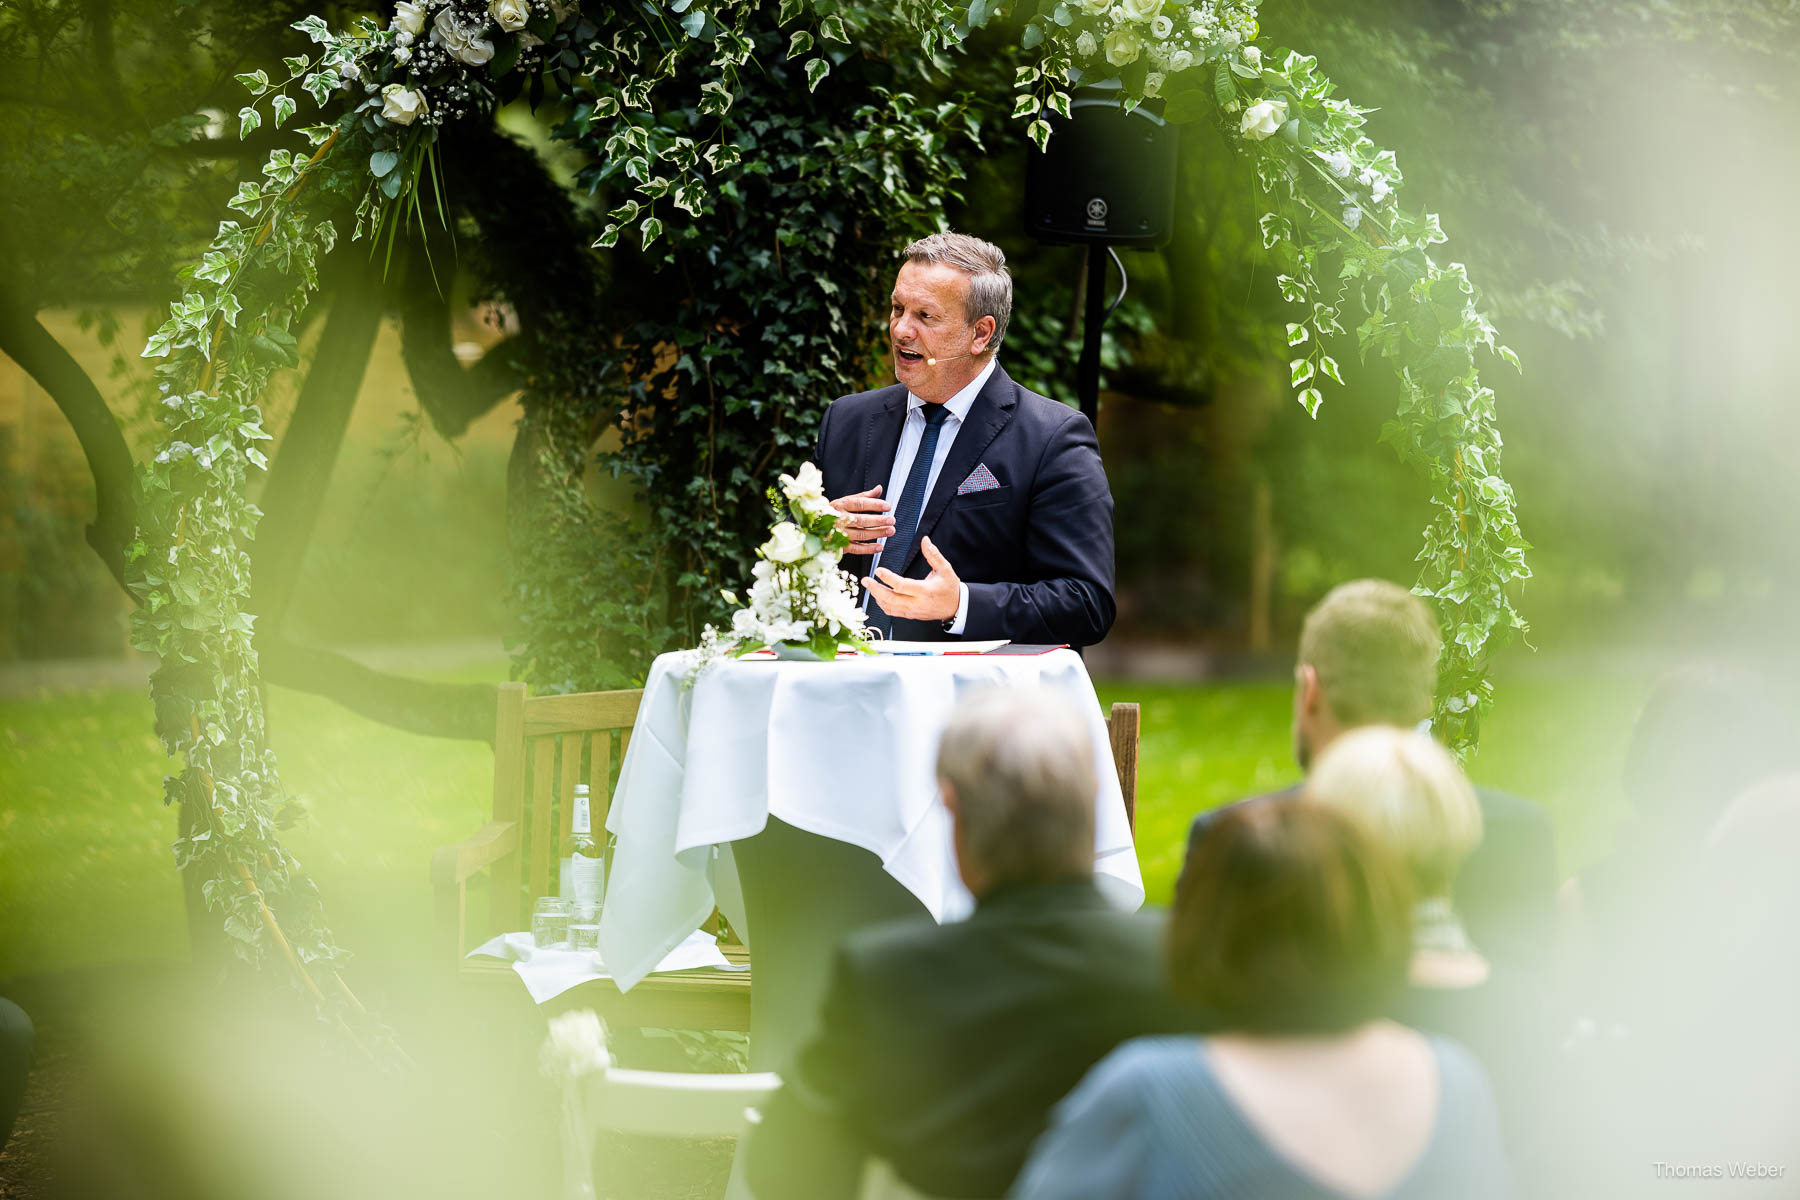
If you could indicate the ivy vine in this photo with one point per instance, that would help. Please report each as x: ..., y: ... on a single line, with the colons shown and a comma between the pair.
x: 763, y: 221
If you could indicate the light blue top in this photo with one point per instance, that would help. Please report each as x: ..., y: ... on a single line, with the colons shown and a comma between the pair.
x: 1153, y: 1121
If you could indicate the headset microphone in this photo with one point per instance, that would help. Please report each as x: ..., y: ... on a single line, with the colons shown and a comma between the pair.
x: 932, y: 362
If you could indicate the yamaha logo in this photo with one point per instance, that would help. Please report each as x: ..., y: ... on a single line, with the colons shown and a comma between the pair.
x: 1096, y: 211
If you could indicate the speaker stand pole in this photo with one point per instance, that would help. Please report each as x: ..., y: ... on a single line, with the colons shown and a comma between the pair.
x: 1087, y: 373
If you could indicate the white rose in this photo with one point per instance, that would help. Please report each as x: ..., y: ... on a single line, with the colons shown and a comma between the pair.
x: 786, y: 544
x: 403, y: 55
x: 1122, y: 46
x: 1161, y: 28
x: 462, y: 42
x: 1086, y: 46
x: 805, y: 484
x: 510, y: 15
x: 349, y: 72
x: 1338, y: 163
x: 839, y: 609
x: 576, y: 1046
x: 409, y: 18
x: 1253, y: 57
x: 1140, y: 10
x: 1181, y: 60
x: 1263, y: 118
x: 1095, y: 8
x: 1352, y: 216
x: 1153, y: 84
x: 401, y: 104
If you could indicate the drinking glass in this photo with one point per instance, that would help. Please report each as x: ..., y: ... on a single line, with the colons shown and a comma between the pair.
x: 550, y: 922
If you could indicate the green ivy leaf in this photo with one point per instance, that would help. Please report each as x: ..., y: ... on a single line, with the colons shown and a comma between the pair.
x: 816, y: 70
x: 284, y: 107
x: 1295, y: 334
x: 799, y: 43
x: 257, y: 81
x: 249, y: 120
x: 832, y: 29
x: 651, y: 229
x: 1310, y: 399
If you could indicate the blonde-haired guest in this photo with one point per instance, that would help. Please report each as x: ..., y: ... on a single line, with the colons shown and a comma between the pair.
x: 1411, y: 794
x: 1414, y: 799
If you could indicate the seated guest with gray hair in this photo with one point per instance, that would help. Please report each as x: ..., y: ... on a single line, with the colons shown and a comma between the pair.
x: 942, y: 1048
x: 1294, y: 936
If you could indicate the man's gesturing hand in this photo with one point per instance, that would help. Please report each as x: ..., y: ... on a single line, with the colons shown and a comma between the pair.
x: 866, y: 519
x: 933, y: 598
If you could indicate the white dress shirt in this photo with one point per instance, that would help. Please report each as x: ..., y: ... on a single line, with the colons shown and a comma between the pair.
x: 911, y: 434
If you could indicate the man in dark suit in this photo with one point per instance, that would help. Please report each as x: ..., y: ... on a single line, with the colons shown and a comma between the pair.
x: 975, y: 508
x: 941, y: 1049
x: 1368, y: 656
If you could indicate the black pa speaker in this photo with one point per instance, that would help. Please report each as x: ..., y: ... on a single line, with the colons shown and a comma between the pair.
x: 1108, y: 177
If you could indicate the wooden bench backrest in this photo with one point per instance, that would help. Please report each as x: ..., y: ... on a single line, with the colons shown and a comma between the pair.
x: 543, y: 747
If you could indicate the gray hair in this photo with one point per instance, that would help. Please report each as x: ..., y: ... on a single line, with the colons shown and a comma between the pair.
x: 990, y: 283
x: 1022, y: 763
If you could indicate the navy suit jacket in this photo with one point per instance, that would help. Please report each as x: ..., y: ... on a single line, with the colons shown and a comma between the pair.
x: 1036, y: 551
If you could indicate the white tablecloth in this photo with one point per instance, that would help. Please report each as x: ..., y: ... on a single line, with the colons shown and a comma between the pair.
x: 844, y: 749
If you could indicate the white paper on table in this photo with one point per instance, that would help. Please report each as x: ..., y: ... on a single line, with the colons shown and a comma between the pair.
x: 891, y: 646
x: 548, y: 973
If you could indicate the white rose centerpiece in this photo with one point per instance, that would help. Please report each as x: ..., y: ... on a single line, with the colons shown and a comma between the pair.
x: 801, y: 603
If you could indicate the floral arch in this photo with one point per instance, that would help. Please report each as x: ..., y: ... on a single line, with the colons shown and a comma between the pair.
x: 1333, y: 225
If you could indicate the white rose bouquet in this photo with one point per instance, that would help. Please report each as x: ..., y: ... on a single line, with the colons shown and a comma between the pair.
x: 800, y: 598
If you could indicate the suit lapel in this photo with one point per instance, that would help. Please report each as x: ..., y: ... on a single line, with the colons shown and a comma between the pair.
x: 883, y: 440
x: 992, y: 409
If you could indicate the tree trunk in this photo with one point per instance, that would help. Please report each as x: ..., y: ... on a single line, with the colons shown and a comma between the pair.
x: 301, y: 470
x: 25, y: 340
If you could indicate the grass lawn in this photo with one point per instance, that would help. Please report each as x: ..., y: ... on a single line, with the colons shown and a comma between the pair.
x: 86, y: 876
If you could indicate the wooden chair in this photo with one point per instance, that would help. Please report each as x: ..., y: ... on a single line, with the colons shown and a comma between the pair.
x: 543, y: 747
x: 668, y: 1103
x: 1122, y: 733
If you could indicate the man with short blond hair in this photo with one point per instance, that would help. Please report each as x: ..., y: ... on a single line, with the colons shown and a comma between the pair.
x: 975, y: 508
x: 1368, y: 656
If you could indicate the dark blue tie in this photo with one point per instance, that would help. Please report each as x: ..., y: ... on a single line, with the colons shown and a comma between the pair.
x: 898, y: 550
